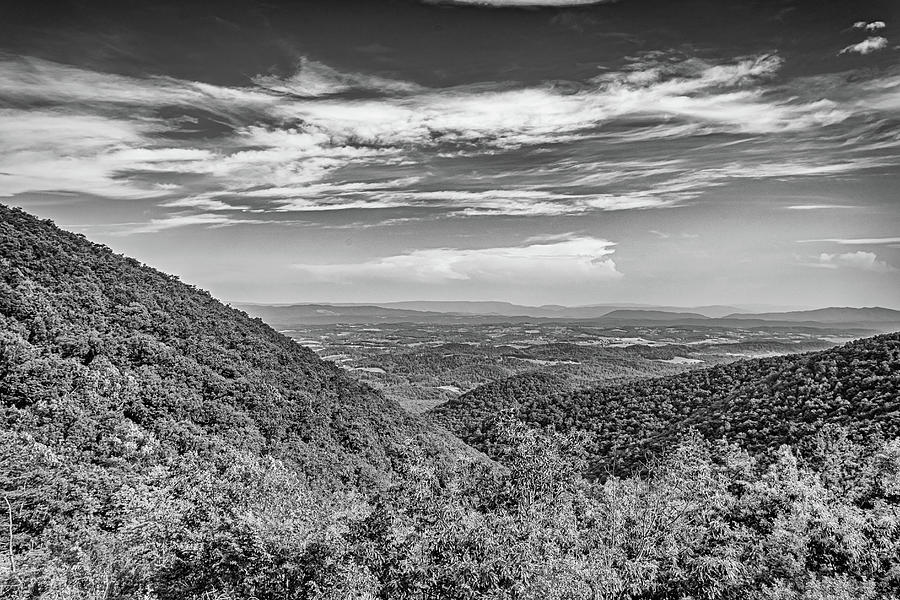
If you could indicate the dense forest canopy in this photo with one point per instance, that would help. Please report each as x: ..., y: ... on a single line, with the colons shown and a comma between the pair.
x: 759, y: 403
x: 158, y: 445
x: 103, y: 356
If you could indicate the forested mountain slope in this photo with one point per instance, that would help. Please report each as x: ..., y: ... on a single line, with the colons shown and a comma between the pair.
x: 106, y: 358
x: 158, y: 445
x: 759, y: 403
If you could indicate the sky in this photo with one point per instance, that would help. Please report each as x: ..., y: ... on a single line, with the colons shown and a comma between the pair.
x: 678, y: 152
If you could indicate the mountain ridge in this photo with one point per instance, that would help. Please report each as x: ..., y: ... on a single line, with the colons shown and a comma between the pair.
x: 133, y: 347
x: 286, y: 315
x: 829, y: 314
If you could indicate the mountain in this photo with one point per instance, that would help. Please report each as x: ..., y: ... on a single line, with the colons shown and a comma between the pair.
x: 712, y: 311
x: 471, y: 307
x: 101, y: 356
x: 286, y: 316
x: 869, y: 315
x: 759, y: 403
x: 283, y: 316
x: 637, y: 315
x: 546, y: 311
x: 449, y: 312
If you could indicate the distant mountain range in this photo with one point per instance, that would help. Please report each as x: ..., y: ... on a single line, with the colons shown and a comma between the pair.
x: 288, y: 315
x: 625, y: 314
x: 551, y: 311
x: 874, y: 314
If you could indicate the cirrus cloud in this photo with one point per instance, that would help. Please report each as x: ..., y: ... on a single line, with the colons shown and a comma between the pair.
x: 304, y: 143
x: 856, y: 241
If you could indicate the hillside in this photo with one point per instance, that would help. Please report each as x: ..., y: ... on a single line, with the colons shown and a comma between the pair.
x: 758, y: 404
x: 158, y: 445
x: 869, y: 315
x: 101, y: 356
x: 313, y: 314
x: 649, y: 315
x: 292, y: 315
x: 550, y: 311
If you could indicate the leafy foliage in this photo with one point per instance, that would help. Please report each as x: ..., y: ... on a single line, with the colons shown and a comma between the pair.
x: 110, y: 370
x: 759, y: 404
x: 113, y: 360
x: 157, y: 445
x: 708, y: 521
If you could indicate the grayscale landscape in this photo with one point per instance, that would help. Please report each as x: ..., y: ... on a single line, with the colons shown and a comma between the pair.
x: 450, y: 300
x: 424, y: 358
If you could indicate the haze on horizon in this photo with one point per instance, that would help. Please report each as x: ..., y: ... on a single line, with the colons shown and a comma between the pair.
x: 673, y: 153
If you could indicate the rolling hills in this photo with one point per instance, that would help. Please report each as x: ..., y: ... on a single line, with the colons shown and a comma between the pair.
x: 759, y: 404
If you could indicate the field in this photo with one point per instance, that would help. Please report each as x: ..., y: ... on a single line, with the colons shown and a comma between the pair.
x: 424, y: 364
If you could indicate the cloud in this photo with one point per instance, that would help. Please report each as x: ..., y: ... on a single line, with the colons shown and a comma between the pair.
x: 511, y: 202
x: 867, y: 46
x: 665, y: 236
x: 856, y: 241
x: 718, y: 97
x: 527, y: 202
x: 204, y: 202
x: 816, y: 206
x: 862, y: 261
x: 26, y: 78
x: 184, y: 220
x: 575, y: 259
x: 313, y: 79
x: 324, y: 140
x: 870, y: 26
x: 45, y: 150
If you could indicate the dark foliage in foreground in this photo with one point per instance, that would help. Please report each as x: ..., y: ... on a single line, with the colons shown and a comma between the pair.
x: 708, y: 521
x: 759, y: 404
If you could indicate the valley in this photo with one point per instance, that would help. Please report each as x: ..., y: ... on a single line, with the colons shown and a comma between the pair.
x: 421, y: 365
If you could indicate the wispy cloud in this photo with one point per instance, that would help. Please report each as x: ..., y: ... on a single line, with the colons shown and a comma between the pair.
x: 817, y: 206
x: 203, y: 202
x: 584, y: 259
x: 665, y: 235
x: 856, y: 241
x: 314, y: 79
x: 528, y: 202
x: 180, y: 220
x: 311, y: 142
x: 46, y: 150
